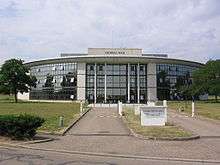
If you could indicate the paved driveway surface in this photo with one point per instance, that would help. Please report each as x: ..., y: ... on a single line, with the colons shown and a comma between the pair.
x: 100, y: 121
x: 101, y: 131
x: 202, y: 127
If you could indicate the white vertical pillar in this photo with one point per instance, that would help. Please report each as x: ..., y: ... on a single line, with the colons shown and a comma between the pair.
x: 81, y: 108
x: 128, y: 83
x: 120, y: 108
x: 193, y: 109
x: 138, y: 83
x: 105, y: 82
x: 151, y: 82
x: 95, y: 84
x: 165, y: 105
x: 81, y: 81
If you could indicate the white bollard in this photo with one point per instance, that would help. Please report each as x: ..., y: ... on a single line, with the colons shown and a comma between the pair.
x: 137, y: 110
x: 81, y: 108
x: 120, y: 108
x: 61, y: 121
x: 193, y: 109
x: 165, y: 105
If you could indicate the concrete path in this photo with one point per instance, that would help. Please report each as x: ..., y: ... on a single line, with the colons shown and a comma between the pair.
x: 99, y: 122
x: 202, y: 127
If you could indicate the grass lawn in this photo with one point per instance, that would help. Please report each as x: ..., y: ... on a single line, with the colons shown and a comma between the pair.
x: 207, y: 109
x: 168, y: 131
x: 49, y: 111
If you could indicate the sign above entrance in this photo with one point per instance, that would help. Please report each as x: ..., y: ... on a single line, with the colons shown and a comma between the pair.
x: 115, y: 51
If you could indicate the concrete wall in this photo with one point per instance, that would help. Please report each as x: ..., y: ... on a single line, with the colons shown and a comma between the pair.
x: 81, y: 81
x: 151, y: 82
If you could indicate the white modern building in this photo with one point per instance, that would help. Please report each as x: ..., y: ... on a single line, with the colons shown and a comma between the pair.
x: 106, y: 75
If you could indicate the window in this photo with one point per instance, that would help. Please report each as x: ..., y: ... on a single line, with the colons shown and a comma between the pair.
x: 132, y: 68
x: 101, y: 68
x: 53, y: 82
x: 141, y: 68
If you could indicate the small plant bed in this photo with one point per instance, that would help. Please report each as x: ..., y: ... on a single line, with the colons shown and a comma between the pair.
x: 169, y: 131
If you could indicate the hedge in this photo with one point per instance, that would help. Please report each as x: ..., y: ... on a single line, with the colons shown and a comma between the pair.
x: 19, y: 127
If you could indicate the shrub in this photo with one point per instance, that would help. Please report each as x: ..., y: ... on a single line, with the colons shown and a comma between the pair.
x: 19, y: 127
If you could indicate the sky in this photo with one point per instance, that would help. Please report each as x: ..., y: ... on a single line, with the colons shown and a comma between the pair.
x: 41, y: 29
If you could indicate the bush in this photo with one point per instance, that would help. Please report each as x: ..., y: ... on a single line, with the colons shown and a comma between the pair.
x: 19, y: 127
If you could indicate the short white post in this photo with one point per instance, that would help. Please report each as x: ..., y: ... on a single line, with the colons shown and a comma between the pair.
x: 119, y: 108
x: 165, y: 105
x: 137, y: 110
x: 81, y: 108
x: 193, y: 109
x: 61, y: 121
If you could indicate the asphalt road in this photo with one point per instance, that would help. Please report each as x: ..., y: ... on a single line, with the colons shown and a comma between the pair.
x: 15, y: 156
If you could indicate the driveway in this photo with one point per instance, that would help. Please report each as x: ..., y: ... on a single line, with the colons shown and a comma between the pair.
x: 103, y: 131
x: 200, y: 126
x: 100, y: 121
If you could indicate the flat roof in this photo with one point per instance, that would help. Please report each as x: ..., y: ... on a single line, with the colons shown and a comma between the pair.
x: 115, y: 60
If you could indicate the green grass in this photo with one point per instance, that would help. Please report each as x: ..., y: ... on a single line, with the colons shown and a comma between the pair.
x: 168, y: 131
x: 49, y: 111
x: 209, y: 109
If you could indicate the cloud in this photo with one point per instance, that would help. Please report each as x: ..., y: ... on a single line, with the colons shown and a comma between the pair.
x: 38, y: 29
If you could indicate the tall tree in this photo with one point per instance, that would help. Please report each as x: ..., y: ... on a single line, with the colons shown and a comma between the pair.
x: 15, y: 77
x: 207, y: 79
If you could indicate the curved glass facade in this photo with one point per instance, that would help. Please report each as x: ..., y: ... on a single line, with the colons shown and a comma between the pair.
x: 109, y: 83
x: 169, y: 77
x: 55, y: 81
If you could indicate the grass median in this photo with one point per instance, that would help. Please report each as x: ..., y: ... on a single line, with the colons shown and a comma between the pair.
x: 168, y: 131
x: 49, y: 111
x: 208, y: 109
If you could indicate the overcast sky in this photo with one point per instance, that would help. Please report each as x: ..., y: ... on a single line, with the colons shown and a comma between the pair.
x: 39, y: 29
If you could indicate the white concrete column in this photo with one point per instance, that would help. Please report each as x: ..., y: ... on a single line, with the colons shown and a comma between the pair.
x: 165, y: 105
x: 128, y: 82
x: 193, y: 109
x: 120, y: 108
x: 151, y: 82
x: 105, y: 83
x: 95, y: 84
x: 81, y: 81
x: 138, y: 83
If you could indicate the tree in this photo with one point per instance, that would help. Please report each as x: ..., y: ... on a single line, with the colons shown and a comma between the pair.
x: 15, y: 78
x: 183, y: 86
x: 207, y: 79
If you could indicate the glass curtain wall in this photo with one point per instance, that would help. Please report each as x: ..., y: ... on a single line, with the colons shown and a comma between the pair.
x: 169, y: 77
x: 100, y: 83
x: 133, y: 83
x: 116, y: 83
x: 143, y: 83
x: 90, y: 76
x: 55, y: 81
